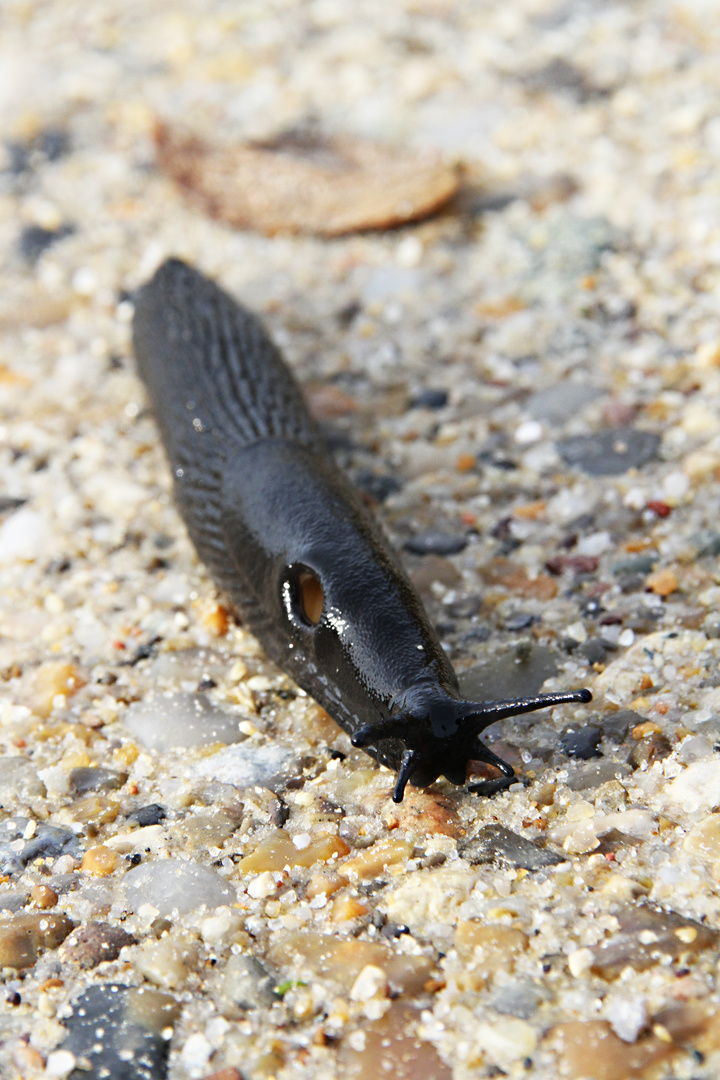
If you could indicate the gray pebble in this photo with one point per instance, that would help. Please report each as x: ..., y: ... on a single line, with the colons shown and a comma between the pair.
x: 597, y: 773
x: 435, y: 543
x: 174, y: 885
x: 182, y: 719
x: 90, y: 778
x: 518, y: 999
x: 647, y: 936
x: 581, y: 741
x: 47, y: 841
x: 133, y: 1022
x: 496, y: 844
x: 246, y: 766
x: 559, y: 403
x: 19, y: 780
x: 610, y: 453
x: 634, y: 564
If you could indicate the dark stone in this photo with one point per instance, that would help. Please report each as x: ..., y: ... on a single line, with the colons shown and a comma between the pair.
x: 48, y: 841
x: 709, y: 546
x: 435, y: 543
x: 53, y: 142
x: 33, y: 240
x: 143, y: 652
x: 496, y: 844
x: 581, y: 742
x: 121, y: 1032
x: 521, y: 999
x: 8, y: 503
x: 89, y: 945
x: 92, y: 778
x: 377, y: 485
x: 593, y: 650
x: 561, y: 77
x: 18, y: 157
x: 478, y: 633
x: 634, y: 564
x: 615, y: 726
x: 430, y: 399
x: 151, y: 814
x: 610, y: 453
x: 519, y: 621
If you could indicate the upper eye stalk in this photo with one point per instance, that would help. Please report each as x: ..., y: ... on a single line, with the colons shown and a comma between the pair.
x: 431, y: 743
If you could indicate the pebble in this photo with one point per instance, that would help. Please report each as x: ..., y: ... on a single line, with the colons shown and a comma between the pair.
x: 18, y: 846
x: 34, y: 240
x: 696, y: 788
x: 24, y: 536
x: 99, y: 861
x: 165, y: 721
x: 391, y: 1047
x: 91, y: 944
x: 521, y: 999
x: 592, y: 1049
x: 245, y: 984
x: 249, y: 765
x: 519, y: 672
x: 581, y: 741
x: 134, y: 1022
x: 152, y: 814
x: 649, y: 936
x: 496, y: 844
x: 610, y: 453
x: 276, y: 850
x: 435, y: 543
x: 174, y: 885
x: 430, y: 399
x: 169, y: 962
x: 90, y: 778
x: 340, y: 960
x: 19, y: 781
x: 560, y: 402
x: 24, y: 937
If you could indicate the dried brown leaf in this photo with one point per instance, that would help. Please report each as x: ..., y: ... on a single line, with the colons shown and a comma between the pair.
x: 306, y: 184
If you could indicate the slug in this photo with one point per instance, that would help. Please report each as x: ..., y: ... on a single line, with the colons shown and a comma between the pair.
x: 285, y: 535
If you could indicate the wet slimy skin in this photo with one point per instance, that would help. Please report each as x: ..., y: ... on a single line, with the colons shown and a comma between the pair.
x: 290, y: 541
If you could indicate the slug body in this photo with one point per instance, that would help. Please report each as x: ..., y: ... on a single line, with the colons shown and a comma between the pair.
x: 290, y: 541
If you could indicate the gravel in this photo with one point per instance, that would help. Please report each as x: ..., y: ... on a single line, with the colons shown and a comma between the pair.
x: 528, y: 385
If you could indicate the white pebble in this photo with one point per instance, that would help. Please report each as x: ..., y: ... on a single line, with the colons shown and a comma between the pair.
x: 577, y: 632
x: 594, y: 544
x: 579, y: 962
x: 635, y: 498
x: 85, y: 281
x: 370, y: 983
x: 675, y: 486
x: 409, y: 251
x: 262, y: 886
x: 302, y: 841
x: 528, y: 432
x: 24, y: 535
x: 627, y: 638
x: 60, y: 1063
x: 627, y: 1016
x: 196, y: 1053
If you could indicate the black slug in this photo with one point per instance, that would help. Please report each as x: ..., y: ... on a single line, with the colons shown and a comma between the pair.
x: 292, y: 544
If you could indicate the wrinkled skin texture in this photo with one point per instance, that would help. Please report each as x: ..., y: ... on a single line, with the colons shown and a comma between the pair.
x: 268, y: 511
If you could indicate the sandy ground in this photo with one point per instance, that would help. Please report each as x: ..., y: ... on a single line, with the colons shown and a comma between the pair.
x: 193, y: 859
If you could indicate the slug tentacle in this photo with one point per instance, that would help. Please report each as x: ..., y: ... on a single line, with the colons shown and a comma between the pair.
x: 292, y: 543
x: 410, y: 761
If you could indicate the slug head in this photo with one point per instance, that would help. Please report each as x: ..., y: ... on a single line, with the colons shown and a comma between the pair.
x: 440, y: 734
